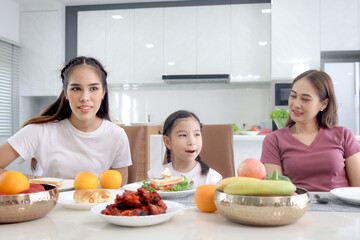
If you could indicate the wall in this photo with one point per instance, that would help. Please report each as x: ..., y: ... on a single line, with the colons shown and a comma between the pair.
x: 213, y: 106
x: 9, y: 20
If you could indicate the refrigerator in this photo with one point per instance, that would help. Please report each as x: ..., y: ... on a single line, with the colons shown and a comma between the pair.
x: 345, y: 76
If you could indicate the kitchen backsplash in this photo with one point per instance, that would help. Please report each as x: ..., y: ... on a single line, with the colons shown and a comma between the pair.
x: 213, y: 106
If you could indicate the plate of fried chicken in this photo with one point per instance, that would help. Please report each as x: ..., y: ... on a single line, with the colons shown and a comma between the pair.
x: 137, y: 208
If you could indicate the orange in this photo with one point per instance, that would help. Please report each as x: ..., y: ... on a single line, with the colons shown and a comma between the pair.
x: 86, y: 180
x: 110, y: 179
x: 13, y: 182
x: 204, y: 198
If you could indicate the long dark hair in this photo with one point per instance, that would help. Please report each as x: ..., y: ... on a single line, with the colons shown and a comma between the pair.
x: 60, y: 109
x: 325, y: 89
x: 168, y: 126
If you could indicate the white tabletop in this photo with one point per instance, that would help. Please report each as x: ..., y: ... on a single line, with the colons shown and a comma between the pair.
x: 62, y: 223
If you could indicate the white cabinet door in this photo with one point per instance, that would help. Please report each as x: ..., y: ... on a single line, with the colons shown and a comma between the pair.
x: 120, y: 46
x: 148, y: 62
x: 180, y: 40
x: 213, y: 39
x: 250, y: 42
x: 295, y: 37
x: 40, y: 74
x: 339, y: 25
x: 91, y: 35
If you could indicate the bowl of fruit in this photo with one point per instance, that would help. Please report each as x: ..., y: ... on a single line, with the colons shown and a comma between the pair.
x: 263, y: 200
x: 23, y: 201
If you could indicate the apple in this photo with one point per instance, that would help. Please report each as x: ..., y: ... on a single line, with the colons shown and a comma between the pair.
x: 251, y: 167
x: 34, y: 187
x: 254, y: 129
x: 37, y: 186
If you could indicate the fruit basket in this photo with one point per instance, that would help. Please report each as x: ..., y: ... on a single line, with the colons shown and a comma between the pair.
x: 28, y: 206
x: 262, y: 211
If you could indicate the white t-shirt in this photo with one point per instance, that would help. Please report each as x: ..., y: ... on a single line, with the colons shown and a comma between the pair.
x: 63, y: 151
x: 212, y: 177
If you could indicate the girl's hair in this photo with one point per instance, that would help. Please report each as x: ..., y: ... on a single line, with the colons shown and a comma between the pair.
x: 324, y: 86
x: 60, y: 109
x: 168, y: 126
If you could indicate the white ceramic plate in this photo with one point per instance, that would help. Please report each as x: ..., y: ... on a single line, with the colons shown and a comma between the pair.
x: 184, y: 193
x: 350, y: 194
x: 68, y: 184
x: 139, y: 221
x: 67, y: 201
x: 249, y: 132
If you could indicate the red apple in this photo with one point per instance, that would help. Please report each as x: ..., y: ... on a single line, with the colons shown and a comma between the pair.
x: 37, y: 186
x: 251, y: 167
x: 34, y: 187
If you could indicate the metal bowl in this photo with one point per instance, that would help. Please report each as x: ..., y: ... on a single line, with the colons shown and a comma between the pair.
x: 28, y: 206
x: 262, y: 211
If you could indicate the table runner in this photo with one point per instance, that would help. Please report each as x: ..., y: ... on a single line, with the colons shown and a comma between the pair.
x: 335, y: 205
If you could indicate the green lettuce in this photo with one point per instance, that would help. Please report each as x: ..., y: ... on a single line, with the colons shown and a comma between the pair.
x: 177, y: 187
x: 279, y: 113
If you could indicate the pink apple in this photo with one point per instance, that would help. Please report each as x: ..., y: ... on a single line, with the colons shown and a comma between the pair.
x: 251, y: 167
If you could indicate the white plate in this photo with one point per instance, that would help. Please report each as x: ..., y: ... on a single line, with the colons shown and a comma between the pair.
x: 68, y: 184
x: 350, y: 194
x: 249, y: 132
x: 66, y: 200
x: 184, y: 193
x: 137, y: 221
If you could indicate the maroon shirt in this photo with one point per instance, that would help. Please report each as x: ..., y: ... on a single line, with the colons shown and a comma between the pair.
x: 318, y: 167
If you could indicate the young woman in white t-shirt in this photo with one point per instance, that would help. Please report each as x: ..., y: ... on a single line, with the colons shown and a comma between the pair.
x: 74, y: 134
x: 183, y: 140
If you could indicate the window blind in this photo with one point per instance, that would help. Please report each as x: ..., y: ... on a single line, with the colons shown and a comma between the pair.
x: 9, y: 88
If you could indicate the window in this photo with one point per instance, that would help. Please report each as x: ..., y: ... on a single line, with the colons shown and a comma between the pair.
x: 9, y: 88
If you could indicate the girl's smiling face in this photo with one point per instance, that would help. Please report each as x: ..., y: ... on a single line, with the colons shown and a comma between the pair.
x: 304, y: 102
x: 185, y: 140
x: 84, y: 93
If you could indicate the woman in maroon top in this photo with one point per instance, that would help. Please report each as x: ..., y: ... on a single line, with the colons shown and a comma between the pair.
x: 311, y: 150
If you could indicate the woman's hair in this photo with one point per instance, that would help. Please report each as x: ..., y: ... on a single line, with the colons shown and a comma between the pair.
x: 325, y: 89
x: 60, y: 109
x: 168, y: 126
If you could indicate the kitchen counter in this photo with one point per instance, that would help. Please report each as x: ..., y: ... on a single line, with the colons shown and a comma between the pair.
x: 62, y: 223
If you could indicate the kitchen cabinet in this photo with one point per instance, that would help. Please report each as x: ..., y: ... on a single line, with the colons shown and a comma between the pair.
x: 40, y: 53
x: 295, y: 30
x: 340, y: 25
x: 91, y: 35
x: 119, y: 44
x: 213, y: 39
x: 180, y: 40
x: 250, y: 42
x: 148, y: 54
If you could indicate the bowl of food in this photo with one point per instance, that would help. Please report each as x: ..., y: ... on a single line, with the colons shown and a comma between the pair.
x: 28, y: 206
x: 262, y: 210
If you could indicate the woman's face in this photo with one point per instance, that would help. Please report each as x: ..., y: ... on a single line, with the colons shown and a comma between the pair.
x: 304, y: 102
x: 185, y: 140
x: 85, y: 93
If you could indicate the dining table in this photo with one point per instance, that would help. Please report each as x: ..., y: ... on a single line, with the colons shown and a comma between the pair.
x: 320, y: 221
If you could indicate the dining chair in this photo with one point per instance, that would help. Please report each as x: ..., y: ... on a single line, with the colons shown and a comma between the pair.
x: 217, y: 149
x: 135, y: 135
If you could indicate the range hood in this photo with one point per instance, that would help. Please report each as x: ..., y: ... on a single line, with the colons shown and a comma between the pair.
x: 196, y: 79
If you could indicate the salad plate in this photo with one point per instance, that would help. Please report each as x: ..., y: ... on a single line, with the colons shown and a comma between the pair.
x: 175, y: 194
x: 138, y: 221
x: 349, y: 194
x: 67, y: 201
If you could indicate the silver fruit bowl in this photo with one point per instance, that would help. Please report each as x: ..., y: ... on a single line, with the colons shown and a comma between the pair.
x: 28, y: 206
x: 262, y: 211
